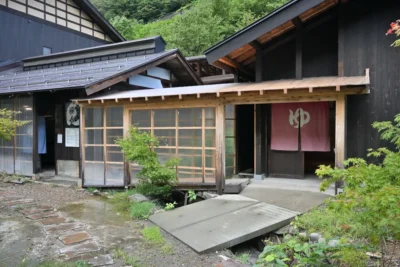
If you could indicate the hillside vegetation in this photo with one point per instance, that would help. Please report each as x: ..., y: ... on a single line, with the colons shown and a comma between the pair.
x: 198, y: 25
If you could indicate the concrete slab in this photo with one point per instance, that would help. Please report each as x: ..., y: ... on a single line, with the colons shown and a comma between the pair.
x: 300, y: 201
x: 74, y: 238
x: 235, y: 185
x: 222, y: 222
x: 52, y: 220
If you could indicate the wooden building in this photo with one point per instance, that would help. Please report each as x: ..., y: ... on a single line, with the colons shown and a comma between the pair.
x: 314, y: 63
x: 307, y: 52
x: 42, y: 88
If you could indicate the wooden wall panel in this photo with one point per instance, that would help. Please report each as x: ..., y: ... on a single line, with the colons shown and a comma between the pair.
x: 366, y: 46
x: 33, y: 36
x: 64, y: 10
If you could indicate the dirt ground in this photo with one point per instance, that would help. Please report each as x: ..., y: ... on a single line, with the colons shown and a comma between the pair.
x: 24, y: 240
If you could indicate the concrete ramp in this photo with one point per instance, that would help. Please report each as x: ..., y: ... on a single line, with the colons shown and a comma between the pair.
x: 222, y: 222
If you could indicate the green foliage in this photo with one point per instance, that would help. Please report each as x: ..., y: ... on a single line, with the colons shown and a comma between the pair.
x: 395, y: 29
x: 121, y: 201
x: 192, y: 195
x: 141, y: 210
x: 63, y: 264
x: 168, y: 249
x: 352, y: 256
x: 170, y: 206
x: 8, y: 123
x: 156, y: 179
x: 243, y: 258
x: 91, y: 189
x: 153, y: 236
x: 127, y: 259
x: 372, y: 191
x: 199, y: 25
x: 140, y: 10
x: 297, y: 253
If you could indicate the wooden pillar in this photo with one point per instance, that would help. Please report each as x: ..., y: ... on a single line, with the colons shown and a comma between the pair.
x: 340, y: 136
x: 126, y: 125
x: 220, y: 148
x: 82, y: 146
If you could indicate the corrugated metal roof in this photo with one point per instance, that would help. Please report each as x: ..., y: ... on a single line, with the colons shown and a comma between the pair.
x: 317, y: 82
x: 74, y: 76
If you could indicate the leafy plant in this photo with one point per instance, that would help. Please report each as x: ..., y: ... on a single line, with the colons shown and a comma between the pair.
x: 141, y: 210
x: 8, y: 123
x: 297, y: 253
x: 91, y: 189
x: 156, y: 179
x: 118, y: 253
x: 243, y: 258
x: 168, y: 249
x: 395, y: 29
x: 372, y: 190
x: 170, y: 206
x: 153, y: 235
x: 121, y: 201
x: 192, y: 195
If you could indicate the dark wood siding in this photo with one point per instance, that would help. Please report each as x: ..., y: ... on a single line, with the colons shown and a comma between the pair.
x: 280, y: 63
x: 366, y: 46
x: 22, y: 37
x: 320, y: 50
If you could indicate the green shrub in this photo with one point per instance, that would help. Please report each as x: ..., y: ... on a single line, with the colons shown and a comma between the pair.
x: 372, y: 191
x: 121, y: 201
x: 156, y: 179
x: 153, y: 235
x: 141, y: 210
x: 170, y: 206
x: 127, y: 259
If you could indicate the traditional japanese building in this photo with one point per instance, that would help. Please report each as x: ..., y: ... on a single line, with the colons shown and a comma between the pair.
x: 309, y: 79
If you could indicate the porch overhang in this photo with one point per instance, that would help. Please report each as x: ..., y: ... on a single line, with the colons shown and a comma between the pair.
x: 308, y: 89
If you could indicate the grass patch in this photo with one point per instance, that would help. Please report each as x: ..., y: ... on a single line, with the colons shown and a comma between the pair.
x: 153, y: 236
x: 243, y: 258
x: 121, y: 202
x: 332, y: 223
x: 122, y: 255
x: 168, y: 249
x: 141, y: 210
x: 91, y: 189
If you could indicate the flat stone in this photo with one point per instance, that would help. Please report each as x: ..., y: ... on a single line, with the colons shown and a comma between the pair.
x: 52, y: 220
x: 138, y: 198
x: 74, y: 238
x: 82, y: 248
x: 62, y: 227
x: 101, y: 260
x: 42, y: 215
x: 10, y: 197
x: 18, y: 202
x: 37, y: 209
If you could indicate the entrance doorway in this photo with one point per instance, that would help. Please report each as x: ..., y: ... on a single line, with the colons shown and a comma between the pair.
x: 245, y: 138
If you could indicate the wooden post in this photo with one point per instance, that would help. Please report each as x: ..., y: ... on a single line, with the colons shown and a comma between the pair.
x: 340, y: 137
x: 220, y: 148
x: 299, y: 48
x: 259, y: 65
x: 82, y: 140
x: 126, y: 125
x: 259, y: 144
x: 341, y: 25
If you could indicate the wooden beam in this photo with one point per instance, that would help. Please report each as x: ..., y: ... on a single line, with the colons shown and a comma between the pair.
x: 310, y: 90
x: 261, y: 92
x: 217, y: 94
x: 340, y: 131
x: 180, y: 96
x: 198, y: 95
x: 102, y: 101
x: 232, y: 63
x: 337, y: 88
x: 131, y: 99
x: 285, y: 91
x: 256, y: 45
x: 220, y: 148
x: 145, y: 98
x: 163, y: 97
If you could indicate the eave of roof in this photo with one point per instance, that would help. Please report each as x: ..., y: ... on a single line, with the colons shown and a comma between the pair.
x: 88, y: 7
x: 310, y: 84
x: 267, y: 23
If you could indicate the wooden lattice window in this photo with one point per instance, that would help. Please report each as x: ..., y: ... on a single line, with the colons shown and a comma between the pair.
x: 230, y: 141
x: 187, y: 133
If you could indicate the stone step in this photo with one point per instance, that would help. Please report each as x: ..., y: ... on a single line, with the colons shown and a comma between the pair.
x: 75, y: 238
x: 53, y: 220
x: 37, y: 209
x: 75, y: 250
x: 42, y: 215
x: 62, y: 228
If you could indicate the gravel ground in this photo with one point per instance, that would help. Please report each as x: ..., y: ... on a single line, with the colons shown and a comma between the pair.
x: 54, y: 195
